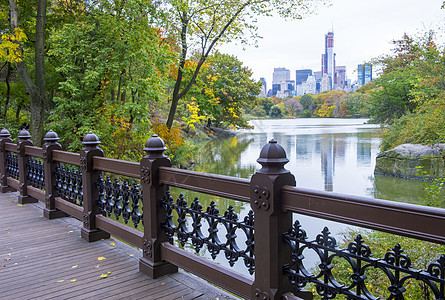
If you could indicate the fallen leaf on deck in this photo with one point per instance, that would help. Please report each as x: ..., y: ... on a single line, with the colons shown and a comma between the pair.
x: 11, y: 202
x: 4, y: 266
x: 131, y: 255
x: 70, y: 231
x: 163, y: 283
x: 104, y: 276
x: 19, y: 205
x: 74, y: 267
x: 112, y: 244
x: 8, y: 229
x: 97, y: 266
x: 101, y: 258
x: 73, y: 280
x: 59, y: 281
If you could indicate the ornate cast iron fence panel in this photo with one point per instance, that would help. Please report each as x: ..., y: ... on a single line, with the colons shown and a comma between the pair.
x: 12, y: 161
x: 229, y: 220
x: 69, y: 184
x: 36, y: 175
x: 395, y: 265
x: 119, y: 199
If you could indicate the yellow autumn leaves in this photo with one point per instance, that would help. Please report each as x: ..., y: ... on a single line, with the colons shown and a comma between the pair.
x: 10, y: 49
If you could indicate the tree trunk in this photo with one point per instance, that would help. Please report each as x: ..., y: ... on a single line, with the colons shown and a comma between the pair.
x: 35, y: 90
x: 8, y: 89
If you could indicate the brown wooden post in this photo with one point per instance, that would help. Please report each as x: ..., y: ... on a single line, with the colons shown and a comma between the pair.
x: 270, y: 223
x: 4, y: 138
x: 151, y: 262
x: 49, y: 166
x: 24, y: 140
x: 90, y: 176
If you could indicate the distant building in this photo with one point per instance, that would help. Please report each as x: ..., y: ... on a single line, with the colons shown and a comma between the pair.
x: 328, y: 58
x: 311, y: 85
x: 302, y: 75
x: 279, y: 75
x: 263, y: 92
x: 364, y: 74
x: 325, y: 83
x: 340, y: 78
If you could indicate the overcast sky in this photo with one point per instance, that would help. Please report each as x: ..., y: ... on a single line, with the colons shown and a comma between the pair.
x: 363, y: 30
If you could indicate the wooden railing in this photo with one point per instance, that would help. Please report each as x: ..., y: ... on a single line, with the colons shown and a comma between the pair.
x: 272, y: 250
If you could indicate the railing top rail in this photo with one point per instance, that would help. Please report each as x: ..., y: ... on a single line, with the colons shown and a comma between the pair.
x: 11, y: 147
x: 66, y: 157
x: 33, y: 151
x: 420, y: 222
x: 217, y: 185
x: 121, y: 167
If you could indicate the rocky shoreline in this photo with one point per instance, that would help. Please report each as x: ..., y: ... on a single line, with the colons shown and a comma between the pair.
x: 403, y: 161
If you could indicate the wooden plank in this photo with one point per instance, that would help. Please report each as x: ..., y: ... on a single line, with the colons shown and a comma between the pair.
x: 208, y: 270
x: 217, y: 185
x: 13, y: 183
x: 51, y: 250
x: 121, y: 167
x: 33, y: 151
x: 36, y: 193
x: 124, y: 232
x: 416, y: 221
x: 69, y: 208
x: 66, y: 157
x: 11, y: 147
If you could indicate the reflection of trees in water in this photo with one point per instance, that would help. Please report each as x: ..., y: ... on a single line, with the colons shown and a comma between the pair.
x: 223, y: 156
x: 397, y: 189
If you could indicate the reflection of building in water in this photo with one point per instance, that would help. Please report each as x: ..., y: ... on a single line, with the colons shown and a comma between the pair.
x: 331, y: 149
x: 364, y: 153
x: 327, y: 162
x: 302, y: 145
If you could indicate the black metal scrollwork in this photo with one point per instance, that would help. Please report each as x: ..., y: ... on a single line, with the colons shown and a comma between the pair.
x: 395, y: 265
x: 198, y: 239
x: 120, y: 199
x: 36, y: 175
x: 69, y: 184
x: 12, y: 163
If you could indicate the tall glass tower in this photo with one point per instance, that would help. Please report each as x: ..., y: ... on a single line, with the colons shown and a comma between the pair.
x: 328, y: 58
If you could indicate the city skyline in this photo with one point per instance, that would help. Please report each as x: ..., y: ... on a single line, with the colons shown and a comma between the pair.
x: 363, y: 30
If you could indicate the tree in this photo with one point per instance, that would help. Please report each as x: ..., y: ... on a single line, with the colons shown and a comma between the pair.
x: 293, y: 106
x: 199, y: 26
x: 307, y: 102
x: 276, y: 112
x: 411, y: 76
x: 234, y: 88
x: 111, y: 64
x: 35, y: 88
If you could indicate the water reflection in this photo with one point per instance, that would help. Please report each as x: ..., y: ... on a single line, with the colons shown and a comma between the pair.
x: 324, y: 154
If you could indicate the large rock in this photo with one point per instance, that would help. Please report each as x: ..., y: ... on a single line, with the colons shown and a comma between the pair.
x: 403, y: 160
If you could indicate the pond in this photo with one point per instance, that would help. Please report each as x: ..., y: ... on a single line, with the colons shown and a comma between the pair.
x: 334, y: 155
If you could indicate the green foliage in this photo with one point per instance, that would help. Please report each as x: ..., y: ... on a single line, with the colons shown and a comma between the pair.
x: 432, y: 189
x: 424, y: 126
x: 223, y: 90
x: 110, y: 64
x: 411, y: 77
x: 276, y: 112
x: 267, y: 103
x: 307, y: 102
x: 352, y: 105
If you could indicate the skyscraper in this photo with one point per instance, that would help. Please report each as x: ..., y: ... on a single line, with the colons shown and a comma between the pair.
x: 328, y: 58
x: 279, y: 75
x: 364, y: 74
x: 302, y: 75
x: 263, y: 92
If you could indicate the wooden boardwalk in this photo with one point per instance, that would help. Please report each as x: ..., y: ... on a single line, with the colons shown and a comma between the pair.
x: 47, y: 259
